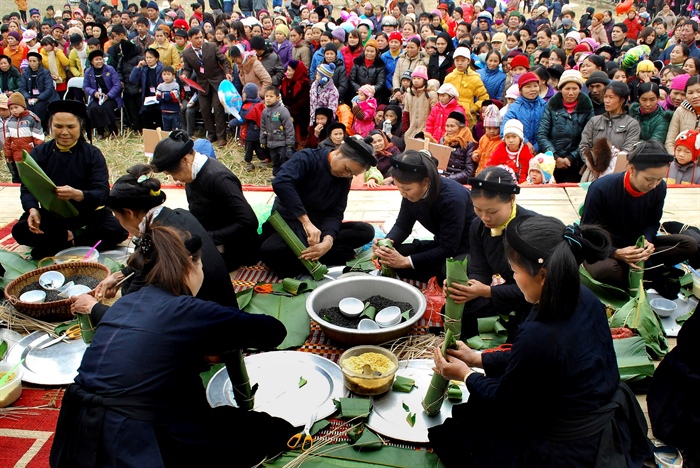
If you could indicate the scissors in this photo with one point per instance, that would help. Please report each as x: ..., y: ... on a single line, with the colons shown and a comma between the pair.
x: 71, y: 333
x: 303, y: 439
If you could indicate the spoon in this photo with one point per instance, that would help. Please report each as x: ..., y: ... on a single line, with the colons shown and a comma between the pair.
x: 367, y: 370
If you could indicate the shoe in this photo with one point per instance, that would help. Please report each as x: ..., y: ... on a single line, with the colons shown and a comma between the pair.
x: 250, y: 167
x: 220, y: 143
x: 264, y: 163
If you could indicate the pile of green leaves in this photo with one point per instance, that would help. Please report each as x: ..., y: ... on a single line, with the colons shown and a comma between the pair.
x: 15, y: 266
x: 638, y: 315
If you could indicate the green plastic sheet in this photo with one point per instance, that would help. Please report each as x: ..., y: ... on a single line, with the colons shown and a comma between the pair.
x: 432, y: 402
x: 633, y: 361
x: 608, y: 295
x: 456, y: 273
x: 344, y: 456
x: 492, y: 333
x: 42, y: 187
x: 316, y: 269
x: 290, y: 310
x: 638, y: 315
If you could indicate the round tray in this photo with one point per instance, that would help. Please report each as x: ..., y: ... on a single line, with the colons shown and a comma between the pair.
x: 56, y: 311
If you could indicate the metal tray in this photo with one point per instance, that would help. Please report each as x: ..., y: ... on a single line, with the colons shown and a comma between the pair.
x: 55, y: 365
x: 277, y: 375
x: 388, y: 417
x: 671, y: 327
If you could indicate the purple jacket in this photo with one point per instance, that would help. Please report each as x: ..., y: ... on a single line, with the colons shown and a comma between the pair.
x: 111, y: 78
x: 283, y: 51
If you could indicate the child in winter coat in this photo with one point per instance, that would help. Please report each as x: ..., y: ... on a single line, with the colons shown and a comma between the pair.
x: 447, y: 103
x: 417, y: 103
x: 276, y: 129
x: 323, y: 90
x: 459, y: 138
x: 491, y: 139
x: 684, y: 168
x: 528, y: 110
x: 364, y: 107
x: 251, y: 112
x: 513, y: 154
x: 472, y: 92
x: 22, y: 132
x: 541, y: 169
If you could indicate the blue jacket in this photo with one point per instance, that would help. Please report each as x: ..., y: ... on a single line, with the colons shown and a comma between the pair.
x: 111, y: 77
x: 494, y: 81
x: 390, y: 66
x: 529, y: 113
x: 44, y: 83
x: 317, y: 60
x: 139, y: 76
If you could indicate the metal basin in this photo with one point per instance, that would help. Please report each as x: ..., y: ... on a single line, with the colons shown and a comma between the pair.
x: 363, y: 287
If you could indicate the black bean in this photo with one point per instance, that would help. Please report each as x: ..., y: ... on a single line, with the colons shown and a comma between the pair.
x: 334, y: 316
x: 52, y: 296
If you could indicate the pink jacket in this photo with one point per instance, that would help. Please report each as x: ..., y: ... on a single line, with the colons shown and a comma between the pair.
x: 435, y: 125
x: 366, y: 125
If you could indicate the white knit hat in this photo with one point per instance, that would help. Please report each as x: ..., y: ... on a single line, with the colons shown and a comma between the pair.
x: 448, y: 88
x: 570, y: 76
x: 514, y: 127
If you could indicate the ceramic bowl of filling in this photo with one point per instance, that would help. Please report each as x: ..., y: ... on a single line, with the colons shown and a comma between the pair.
x: 368, y: 370
x: 663, y: 307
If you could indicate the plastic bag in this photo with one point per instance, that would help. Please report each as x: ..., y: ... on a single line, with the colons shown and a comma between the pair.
x: 435, y: 300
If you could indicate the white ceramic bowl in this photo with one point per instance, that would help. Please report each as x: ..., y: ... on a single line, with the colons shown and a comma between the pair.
x: 77, y: 290
x: 52, y: 280
x: 351, y: 307
x: 77, y: 254
x: 663, y: 307
x: 33, y: 297
x: 367, y: 324
x: 388, y: 317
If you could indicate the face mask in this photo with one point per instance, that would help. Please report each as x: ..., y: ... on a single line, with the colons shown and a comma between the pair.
x: 482, y: 57
x: 516, y: 77
x: 498, y: 21
x: 566, y: 22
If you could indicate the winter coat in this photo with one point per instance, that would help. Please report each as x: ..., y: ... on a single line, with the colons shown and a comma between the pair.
x: 61, y: 62
x: 22, y: 133
x: 653, y: 126
x: 529, y: 112
x: 273, y: 65
x: 360, y: 75
x: 688, y: 174
x: 349, y: 57
x: 318, y: 58
x: 404, y: 64
x: 417, y: 106
x: 276, y: 127
x: 560, y: 132
x: 364, y: 116
x: 283, y: 51
x: 472, y: 92
x: 129, y: 58
x: 390, y: 65
x: 13, y: 77
x: 139, y: 75
x: 438, y: 71
x: 340, y: 78
x: 519, y: 166
x: 323, y: 96
x: 76, y: 63
x: 44, y: 83
x: 435, y: 124
x: 487, y: 146
x: 111, y: 78
x: 622, y: 131
x: 599, y: 34
x: 461, y: 166
x: 251, y: 114
x: 295, y: 95
x: 684, y: 118
x: 168, y: 54
x: 494, y: 81
x: 302, y: 53
x: 253, y: 71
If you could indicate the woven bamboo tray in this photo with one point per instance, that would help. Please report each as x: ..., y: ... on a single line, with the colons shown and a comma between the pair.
x: 56, y: 311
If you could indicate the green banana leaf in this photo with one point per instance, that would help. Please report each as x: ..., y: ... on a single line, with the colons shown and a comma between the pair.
x: 15, y: 266
x: 290, y: 310
x: 363, y: 439
x: 403, y: 384
x: 432, y: 402
x: 387, y: 271
x: 42, y: 187
x: 456, y: 273
x: 243, y: 392
x: 295, y: 287
x: 207, y: 375
x: 362, y: 262
x: 344, y: 456
x: 3, y: 349
x: 608, y: 295
x: 638, y: 315
x: 492, y: 333
x: 636, y: 277
x: 633, y: 361
x: 351, y: 408
x: 315, y: 268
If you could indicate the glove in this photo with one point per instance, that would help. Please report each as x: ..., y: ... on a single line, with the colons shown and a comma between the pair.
x: 290, y: 152
x: 263, y: 145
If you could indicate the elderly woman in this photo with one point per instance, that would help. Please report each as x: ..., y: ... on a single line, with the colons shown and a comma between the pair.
x: 9, y: 76
x: 103, y: 88
x: 55, y: 61
x: 80, y: 173
x: 36, y: 85
x: 215, y: 198
x: 311, y: 195
x: 563, y: 121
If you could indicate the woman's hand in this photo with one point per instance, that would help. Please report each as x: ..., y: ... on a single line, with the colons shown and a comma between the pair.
x: 316, y: 251
x: 82, y: 304
x: 66, y: 192
x: 391, y: 258
x: 632, y: 254
x: 450, y: 368
x: 475, y: 156
x: 465, y: 354
x: 33, y: 221
x: 108, y: 286
x: 461, y: 293
x: 563, y: 163
x: 313, y: 234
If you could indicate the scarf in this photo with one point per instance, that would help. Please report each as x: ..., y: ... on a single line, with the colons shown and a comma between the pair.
x: 199, y: 161
x: 461, y: 139
x: 498, y: 231
x: 368, y: 63
x: 53, y: 67
x: 570, y: 107
x: 629, y: 189
x: 152, y: 213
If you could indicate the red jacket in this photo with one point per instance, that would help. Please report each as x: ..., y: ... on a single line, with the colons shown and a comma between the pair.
x: 634, y: 27
x: 520, y: 166
x: 22, y: 133
x: 435, y: 124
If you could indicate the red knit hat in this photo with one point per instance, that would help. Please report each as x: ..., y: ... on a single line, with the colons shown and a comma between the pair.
x: 396, y: 36
x: 583, y: 47
x: 689, y: 139
x: 520, y: 61
x: 528, y: 77
x: 181, y: 23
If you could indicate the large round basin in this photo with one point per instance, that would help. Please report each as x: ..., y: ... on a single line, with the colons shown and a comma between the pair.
x: 362, y: 287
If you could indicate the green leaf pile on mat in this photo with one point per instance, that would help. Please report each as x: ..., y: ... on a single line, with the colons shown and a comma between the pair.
x: 492, y: 333
x: 362, y: 263
x: 633, y: 361
x: 609, y: 295
x: 432, y: 402
x: 315, y: 268
x: 638, y: 315
x: 351, y: 408
x: 15, y: 266
x: 344, y: 456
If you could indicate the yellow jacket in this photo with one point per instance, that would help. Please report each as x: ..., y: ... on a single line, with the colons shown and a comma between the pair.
x: 169, y: 55
x: 472, y: 92
x: 75, y: 63
x: 61, y: 62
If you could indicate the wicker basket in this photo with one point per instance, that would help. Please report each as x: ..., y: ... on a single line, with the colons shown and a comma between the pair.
x: 56, y: 311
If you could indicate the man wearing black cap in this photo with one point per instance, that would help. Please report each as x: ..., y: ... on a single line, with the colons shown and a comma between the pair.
x: 269, y: 59
x: 211, y: 68
x: 629, y: 205
x: 312, y: 194
x: 596, y: 83
x: 153, y: 20
x: 79, y: 171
